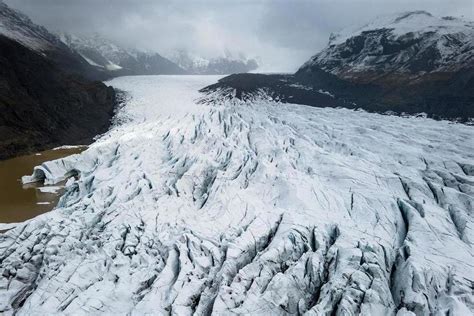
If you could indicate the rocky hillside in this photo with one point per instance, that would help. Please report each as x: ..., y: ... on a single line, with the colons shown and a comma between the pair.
x: 46, y: 96
x: 404, y: 63
x: 118, y: 61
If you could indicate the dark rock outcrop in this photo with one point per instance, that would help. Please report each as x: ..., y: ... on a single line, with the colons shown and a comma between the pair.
x: 284, y: 88
x: 49, y: 95
x: 44, y: 106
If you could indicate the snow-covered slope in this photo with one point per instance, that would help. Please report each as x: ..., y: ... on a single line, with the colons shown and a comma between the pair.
x: 19, y: 27
x: 199, y: 205
x: 106, y: 55
x: 97, y: 51
x: 411, y: 42
x: 227, y: 64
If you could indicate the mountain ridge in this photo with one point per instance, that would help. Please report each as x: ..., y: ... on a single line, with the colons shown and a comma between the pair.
x: 411, y: 43
x: 380, y: 70
x: 117, y: 60
x: 223, y: 65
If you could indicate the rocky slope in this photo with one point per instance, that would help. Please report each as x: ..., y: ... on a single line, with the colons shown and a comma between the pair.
x: 214, y: 66
x: 213, y: 205
x: 411, y: 62
x: 46, y: 95
x: 118, y: 61
x: 20, y: 28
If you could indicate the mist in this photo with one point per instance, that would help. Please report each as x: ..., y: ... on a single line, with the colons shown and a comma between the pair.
x: 280, y: 34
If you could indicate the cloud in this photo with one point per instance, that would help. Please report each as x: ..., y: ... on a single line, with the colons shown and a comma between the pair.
x: 282, y: 33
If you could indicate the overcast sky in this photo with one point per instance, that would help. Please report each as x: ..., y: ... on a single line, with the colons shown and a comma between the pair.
x: 282, y: 33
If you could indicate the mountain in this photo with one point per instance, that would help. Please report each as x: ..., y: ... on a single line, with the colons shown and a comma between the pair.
x: 410, y: 45
x: 204, y: 205
x: 18, y: 27
x: 47, y: 97
x: 118, y: 61
x: 225, y: 65
x: 411, y: 62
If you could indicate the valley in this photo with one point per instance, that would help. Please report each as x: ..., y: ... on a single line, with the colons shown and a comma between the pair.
x: 148, y: 168
x: 200, y: 203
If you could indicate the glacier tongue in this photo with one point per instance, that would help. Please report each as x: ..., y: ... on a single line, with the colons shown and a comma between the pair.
x: 253, y: 207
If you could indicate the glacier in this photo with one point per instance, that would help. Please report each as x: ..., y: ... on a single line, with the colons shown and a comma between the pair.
x: 205, y: 204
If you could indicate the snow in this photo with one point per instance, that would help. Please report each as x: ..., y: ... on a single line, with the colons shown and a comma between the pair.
x: 193, y: 204
x: 110, y: 51
x: 444, y: 44
x: 300, y: 86
x: 111, y: 66
x: 19, y: 27
x: 90, y: 61
x: 326, y: 93
x: 406, y: 22
x: 20, y: 37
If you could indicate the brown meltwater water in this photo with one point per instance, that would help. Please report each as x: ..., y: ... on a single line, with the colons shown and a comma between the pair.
x: 20, y: 202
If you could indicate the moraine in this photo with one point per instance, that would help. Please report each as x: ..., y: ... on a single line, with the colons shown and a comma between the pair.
x: 199, y: 205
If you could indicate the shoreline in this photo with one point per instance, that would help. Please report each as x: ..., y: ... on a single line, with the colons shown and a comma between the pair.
x: 22, y: 201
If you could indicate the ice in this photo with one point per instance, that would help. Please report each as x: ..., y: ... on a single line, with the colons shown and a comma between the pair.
x: 5, y: 226
x: 68, y: 147
x: 50, y: 189
x: 205, y: 204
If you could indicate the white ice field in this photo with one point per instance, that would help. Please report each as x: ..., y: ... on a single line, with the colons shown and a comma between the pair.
x: 230, y: 207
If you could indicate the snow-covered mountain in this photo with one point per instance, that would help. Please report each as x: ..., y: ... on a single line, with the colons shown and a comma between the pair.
x: 411, y: 43
x: 409, y: 62
x: 117, y: 60
x: 107, y: 59
x: 18, y: 27
x: 213, y: 205
x: 224, y: 65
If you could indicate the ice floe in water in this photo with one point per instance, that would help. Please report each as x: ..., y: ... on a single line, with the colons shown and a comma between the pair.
x: 50, y: 189
x: 228, y: 207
